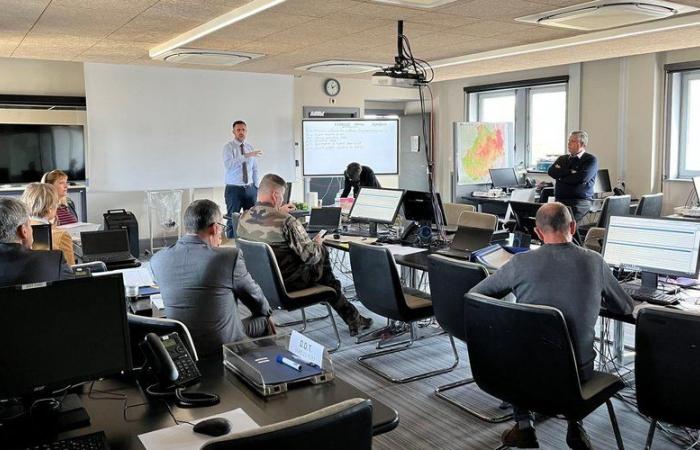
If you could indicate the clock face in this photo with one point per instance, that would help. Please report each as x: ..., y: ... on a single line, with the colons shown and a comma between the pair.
x: 332, y: 87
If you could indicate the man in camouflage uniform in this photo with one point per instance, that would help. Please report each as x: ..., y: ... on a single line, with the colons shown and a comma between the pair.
x: 302, y: 261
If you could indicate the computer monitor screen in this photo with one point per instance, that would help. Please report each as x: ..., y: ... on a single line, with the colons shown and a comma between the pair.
x: 42, y: 236
x: 62, y: 333
x: 696, y: 185
x: 418, y: 206
x: 327, y: 217
x: 505, y: 177
x: 377, y: 205
x: 106, y: 241
x: 602, y: 181
x: 288, y: 193
x: 662, y: 246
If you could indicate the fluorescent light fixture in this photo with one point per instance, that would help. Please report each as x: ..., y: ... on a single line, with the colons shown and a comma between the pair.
x: 340, y: 66
x: 224, y: 20
x: 670, y: 24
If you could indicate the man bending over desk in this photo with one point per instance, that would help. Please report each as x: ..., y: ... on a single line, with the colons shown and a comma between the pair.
x: 19, y: 264
x: 302, y: 261
x: 201, y: 282
x: 573, y: 280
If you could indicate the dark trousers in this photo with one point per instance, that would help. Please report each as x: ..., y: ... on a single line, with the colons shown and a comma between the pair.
x: 578, y: 207
x: 340, y: 304
x: 238, y: 197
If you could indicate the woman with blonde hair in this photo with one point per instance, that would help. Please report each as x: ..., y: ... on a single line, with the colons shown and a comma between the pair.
x: 43, y: 202
x: 66, y: 209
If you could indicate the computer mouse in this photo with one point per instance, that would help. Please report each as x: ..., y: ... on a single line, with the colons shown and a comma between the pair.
x: 216, y: 426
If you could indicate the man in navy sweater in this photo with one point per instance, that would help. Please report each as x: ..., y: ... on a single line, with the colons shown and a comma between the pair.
x: 575, y: 175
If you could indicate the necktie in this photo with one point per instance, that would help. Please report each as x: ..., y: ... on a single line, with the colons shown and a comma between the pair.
x: 245, y: 166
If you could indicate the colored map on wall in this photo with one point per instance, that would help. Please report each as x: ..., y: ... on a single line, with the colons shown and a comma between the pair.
x: 481, y: 146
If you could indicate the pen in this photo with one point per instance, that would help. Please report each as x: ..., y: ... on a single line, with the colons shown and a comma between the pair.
x: 288, y: 362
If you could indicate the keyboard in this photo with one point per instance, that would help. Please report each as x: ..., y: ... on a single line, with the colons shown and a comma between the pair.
x: 93, y: 441
x: 649, y: 296
x: 109, y: 257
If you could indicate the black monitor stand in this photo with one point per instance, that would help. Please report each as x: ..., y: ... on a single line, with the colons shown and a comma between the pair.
x: 373, y: 229
x: 650, y: 280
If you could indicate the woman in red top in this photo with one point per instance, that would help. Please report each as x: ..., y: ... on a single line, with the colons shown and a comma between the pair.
x: 65, y: 214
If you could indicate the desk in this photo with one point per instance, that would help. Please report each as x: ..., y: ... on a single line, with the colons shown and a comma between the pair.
x: 107, y: 415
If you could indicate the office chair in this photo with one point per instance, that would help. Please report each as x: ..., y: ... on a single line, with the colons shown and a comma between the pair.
x: 616, y: 205
x: 453, y: 210
x: 262, y: 265
x: 650, y: 205
x: 343, y: 426
x: 379, y: 289
x: 449, y: 280
x: 535, y: 370
x: 478, y: 220
x: 667, y: 367
x: 140, y: 326
x: 546, y: 193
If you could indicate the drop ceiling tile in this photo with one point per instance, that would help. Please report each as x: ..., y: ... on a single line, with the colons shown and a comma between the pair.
x: 380, y: 10
x: 490, y: 9
x: 260, y: 25
x: 20, y: 15
x: 152, y: 29
x: 190, y: 9
x: 84, y: 22
x: 441, y: 20
x: 313, y: 8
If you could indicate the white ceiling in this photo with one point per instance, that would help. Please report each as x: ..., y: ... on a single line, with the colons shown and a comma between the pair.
x: 300, y: 32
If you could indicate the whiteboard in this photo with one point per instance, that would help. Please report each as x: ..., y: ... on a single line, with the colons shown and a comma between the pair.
x: 330, y: 145
x: 165, y: 128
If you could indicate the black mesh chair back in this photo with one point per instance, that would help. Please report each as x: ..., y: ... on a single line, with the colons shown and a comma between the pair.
x: 449, y: 280
x: 344, y: 426
x: 377, y: 281
x: 521, y: 354
x: 262, y: 266
x: 616, y: 205
x: 650, y: 205
x: 667, y: 366
x: 546, y: 193
x: 140, y: 326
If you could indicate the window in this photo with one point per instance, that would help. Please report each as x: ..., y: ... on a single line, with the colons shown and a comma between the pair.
x: 537, y: 109
x: 683, y: 115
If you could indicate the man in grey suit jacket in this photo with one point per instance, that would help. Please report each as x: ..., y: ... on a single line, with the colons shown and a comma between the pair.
x: 201, y: 282
x: 19, y: 264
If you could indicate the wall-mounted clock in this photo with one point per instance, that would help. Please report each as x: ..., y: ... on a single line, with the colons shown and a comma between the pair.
x: 332, y: 87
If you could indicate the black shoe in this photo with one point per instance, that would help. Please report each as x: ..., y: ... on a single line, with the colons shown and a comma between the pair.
x: 577, y: 438
x: 362, y: 323
x: 515, y: 437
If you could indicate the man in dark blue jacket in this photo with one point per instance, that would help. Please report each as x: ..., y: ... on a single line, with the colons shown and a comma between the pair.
x: 575, y: 175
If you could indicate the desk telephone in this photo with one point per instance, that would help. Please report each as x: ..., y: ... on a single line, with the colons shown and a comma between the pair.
x: 174, y: 367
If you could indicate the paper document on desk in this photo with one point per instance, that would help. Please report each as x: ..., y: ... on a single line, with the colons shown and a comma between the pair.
x: 399, y: 250
x: 181, y: 437
x: 139, y: 276
x: 74, y: 229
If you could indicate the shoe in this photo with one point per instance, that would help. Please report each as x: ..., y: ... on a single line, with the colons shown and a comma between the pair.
x: 577, y: 438
x: 515, y: 437
x: 362, y: 323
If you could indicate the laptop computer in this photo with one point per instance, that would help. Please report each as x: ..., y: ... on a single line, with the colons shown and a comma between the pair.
x: 42, y: 237
x: 109, y: 246
x: 466, y: 240
x: 326, y: 218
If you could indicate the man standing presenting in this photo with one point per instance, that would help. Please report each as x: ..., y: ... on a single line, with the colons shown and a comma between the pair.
x: 240, y: 161
x: 358, y: 176
x: 575, y: 175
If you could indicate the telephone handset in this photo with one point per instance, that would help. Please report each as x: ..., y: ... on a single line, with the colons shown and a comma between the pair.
x: 410, y: 228
x: 170, y: 360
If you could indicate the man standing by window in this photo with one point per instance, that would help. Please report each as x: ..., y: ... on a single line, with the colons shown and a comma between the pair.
x: 240, y: 161
x: 575, y: 175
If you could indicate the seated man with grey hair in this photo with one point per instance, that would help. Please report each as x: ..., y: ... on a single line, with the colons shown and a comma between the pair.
x: 201, y: 283
x: 575, y: 174
x: 19, y: 264
x: 567, y: 277
x: 303, y: 261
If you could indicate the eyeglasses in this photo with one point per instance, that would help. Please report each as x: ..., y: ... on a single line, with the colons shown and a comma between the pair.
x: 222, y: 225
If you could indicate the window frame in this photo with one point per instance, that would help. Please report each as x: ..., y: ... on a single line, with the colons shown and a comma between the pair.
x: 521, y: 126
x: 685, y: 78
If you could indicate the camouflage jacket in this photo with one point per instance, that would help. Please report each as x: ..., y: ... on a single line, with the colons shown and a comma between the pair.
x: 300, y: 259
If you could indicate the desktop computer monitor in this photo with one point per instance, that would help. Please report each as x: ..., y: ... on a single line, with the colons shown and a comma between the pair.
x: 504, y: 178
x: 653, y: 246
x: 602, y: 182
x: 42, y: 237
x: 418, y: 206
x: 524, y: 214
x: 62, y: 333
x: 375, y: 206
x: 288, y: 193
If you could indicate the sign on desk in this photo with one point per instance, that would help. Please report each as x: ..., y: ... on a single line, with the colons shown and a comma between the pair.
x: 306, y: 349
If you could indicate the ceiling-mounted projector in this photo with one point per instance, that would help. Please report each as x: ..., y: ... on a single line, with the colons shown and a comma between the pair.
x: 406, y: 71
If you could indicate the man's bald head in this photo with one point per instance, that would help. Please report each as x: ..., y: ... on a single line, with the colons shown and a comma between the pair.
x: 553, y: 218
